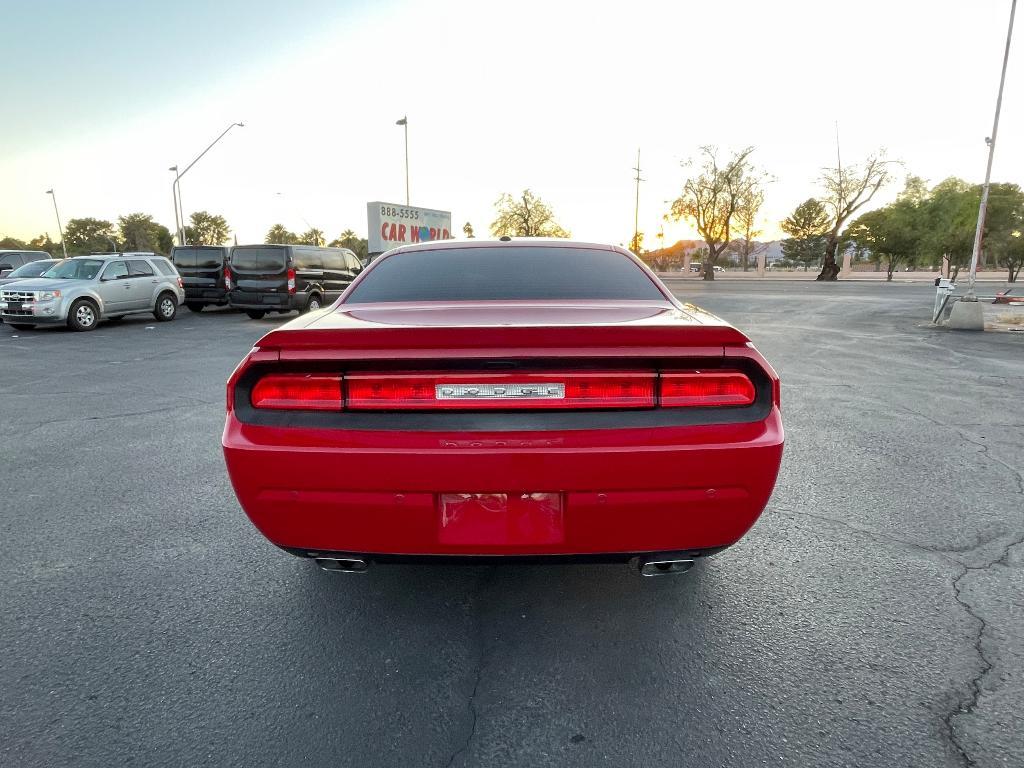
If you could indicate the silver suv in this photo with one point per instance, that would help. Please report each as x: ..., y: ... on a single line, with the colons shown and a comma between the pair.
x: 86, y: 289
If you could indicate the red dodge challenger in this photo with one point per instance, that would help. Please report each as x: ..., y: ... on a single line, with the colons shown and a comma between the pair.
x: 499, y: 401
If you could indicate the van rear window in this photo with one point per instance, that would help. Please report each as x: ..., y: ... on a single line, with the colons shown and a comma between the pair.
x: 259, y: 258
x: 202, y: 257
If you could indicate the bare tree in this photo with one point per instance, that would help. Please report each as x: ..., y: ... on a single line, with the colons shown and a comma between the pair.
x: 525, y: 216
x: 748, y: 206
x: 846, y: 191
x: 710, y: 200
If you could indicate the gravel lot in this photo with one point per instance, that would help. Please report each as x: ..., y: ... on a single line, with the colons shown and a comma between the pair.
x: 872, y: 617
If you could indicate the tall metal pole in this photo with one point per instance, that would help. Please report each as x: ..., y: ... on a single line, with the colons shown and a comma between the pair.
x: 174, y: 194
x: 983, y: 208
x: 404, y: 122
x: 636, y: 209
x: 177, y: 181
x: 60, y: 229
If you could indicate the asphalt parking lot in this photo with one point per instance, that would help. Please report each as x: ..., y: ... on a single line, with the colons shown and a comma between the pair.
x: 872, y: 617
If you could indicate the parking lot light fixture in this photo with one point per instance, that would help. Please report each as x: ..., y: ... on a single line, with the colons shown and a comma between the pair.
x: 188, y: 167
x: 60, y: 229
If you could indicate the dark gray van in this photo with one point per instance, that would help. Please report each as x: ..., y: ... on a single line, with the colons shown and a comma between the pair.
x: 282, y: 278
x: 202, y: 269
x: 10, y: 260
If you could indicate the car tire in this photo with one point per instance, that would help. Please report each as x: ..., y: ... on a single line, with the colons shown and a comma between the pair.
x: 313, y: 303
x: 166, y: 307
x: 256, y: 314
x: 194, y: 306
x: 21, y: 326
x: 83, y: 316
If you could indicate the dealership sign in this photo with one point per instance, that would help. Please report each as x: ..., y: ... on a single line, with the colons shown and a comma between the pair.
x: 392, y: 225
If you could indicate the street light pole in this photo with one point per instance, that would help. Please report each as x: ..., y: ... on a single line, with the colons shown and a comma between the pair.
x: 404, y: 122
x: 983, y: 208
x: 174, y: 194
x: 636, y: 208
x: 177, y: 180
x: 60, y: 229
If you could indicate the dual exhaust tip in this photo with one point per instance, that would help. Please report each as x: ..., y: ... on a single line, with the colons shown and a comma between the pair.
x: 648, y: 566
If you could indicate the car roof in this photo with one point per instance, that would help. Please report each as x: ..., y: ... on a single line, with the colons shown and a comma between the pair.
x: 21, y: 250
x: 136, y: 254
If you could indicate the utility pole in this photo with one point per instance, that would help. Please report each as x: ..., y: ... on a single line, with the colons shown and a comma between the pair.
x: 60, y: 229
x: 991, y: 141
x: 404, y: 122
x: 636, y: 209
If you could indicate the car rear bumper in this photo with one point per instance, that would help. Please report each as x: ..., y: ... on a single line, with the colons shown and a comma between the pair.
x: 208, y: 295
x: 269, y: 302
x: 619, y: 492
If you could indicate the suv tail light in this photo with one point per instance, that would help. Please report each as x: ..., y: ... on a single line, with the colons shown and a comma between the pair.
x: 298, y: 391
x: 180, y: 283
x: 503, y: 391
x: 291, y: 281
x: 227, y: 278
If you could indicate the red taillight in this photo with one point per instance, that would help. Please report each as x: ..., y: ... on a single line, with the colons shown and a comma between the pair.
x: 706, y: 388
x: 291, y: 281
x: 227, y: 278
x: 499, y: 391
x: 180, y: 284
x: 503, y: 391
x: 298, y: 391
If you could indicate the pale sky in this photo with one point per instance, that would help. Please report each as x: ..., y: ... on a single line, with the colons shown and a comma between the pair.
x: 102, y: 97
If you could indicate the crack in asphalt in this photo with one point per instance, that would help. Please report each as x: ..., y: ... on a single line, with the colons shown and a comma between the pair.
x: 481, y: 663
x: 42, y: 424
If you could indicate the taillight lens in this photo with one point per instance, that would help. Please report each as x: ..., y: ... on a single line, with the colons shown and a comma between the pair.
x: 291, y: 281
x: 227, y: 278
x: 180, y: 284
x: 298, y: 391
x: 706, y: 388
x: 497, y: 391
x: 502, y: 391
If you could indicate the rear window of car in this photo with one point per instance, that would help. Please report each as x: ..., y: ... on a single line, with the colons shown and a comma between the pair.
x: 505, y: 273
x: 259, y: 258
x: 165, y: 267
x: 198, y: 256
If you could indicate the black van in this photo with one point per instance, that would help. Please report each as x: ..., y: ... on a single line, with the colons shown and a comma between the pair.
x: 202, y: 274
x: 280, y: 278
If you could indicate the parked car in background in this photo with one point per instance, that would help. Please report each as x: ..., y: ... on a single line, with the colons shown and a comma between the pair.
x: 202, y: 269
x: 541, y: 399
x: 83, y: 290
x: 32, y: 269
x: 283, y: 278
x: 10, y: 260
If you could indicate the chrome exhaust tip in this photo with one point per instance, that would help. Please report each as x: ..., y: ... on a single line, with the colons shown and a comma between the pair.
x: 665, y: 567
x: 342, y: 564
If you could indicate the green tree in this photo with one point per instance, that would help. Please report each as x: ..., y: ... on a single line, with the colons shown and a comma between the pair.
x: 1010, y: 254
x: 467, y: 230
x: 12, y: 244
x: 139, y: 232
x: 806, y: 227
x: 348, y: 239
x: 847, y: 190
x: 207, y: 229
x: 892, y: 234
x: 711, y: 197
x: 312, y: 236
x: 280, y: 235
x: 636, y: 243
x: 525, y: 216
x: 44, y: 243
x: 88, y: 235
